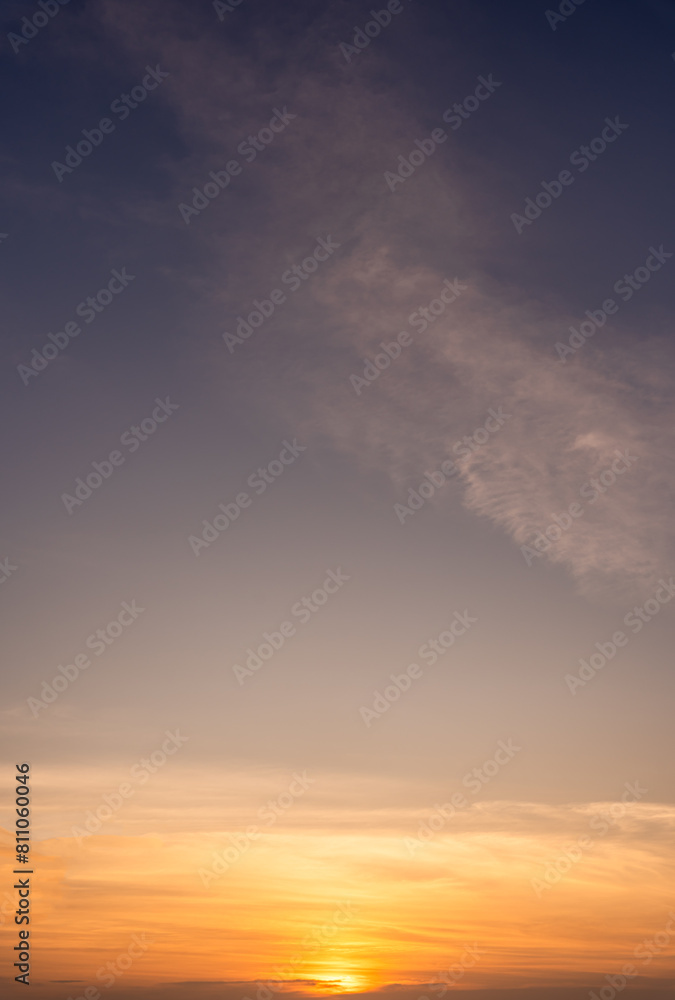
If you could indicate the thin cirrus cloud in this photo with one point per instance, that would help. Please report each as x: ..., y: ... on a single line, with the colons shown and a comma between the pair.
x: 493, y: 347
x: 470, y: 882
x: 565, y: 425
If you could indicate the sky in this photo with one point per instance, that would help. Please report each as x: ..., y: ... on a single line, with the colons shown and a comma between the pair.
x: 337, y: 546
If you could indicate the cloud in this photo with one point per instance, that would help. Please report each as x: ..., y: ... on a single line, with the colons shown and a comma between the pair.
x: 494, y: 347
x: 400, y: 925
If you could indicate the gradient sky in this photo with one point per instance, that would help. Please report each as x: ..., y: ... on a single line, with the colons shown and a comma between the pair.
x: 591, y: 759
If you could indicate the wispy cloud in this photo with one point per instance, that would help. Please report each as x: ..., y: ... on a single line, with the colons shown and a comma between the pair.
x: 494, y: 346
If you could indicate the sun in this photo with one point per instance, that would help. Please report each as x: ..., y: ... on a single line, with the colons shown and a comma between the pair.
x: 341, y: 983
x: 352, y: 984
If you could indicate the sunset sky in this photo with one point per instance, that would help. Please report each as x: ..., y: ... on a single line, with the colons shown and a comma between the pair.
x: 338, y: 522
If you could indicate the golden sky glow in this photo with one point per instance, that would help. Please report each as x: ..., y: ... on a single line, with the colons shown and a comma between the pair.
x: 355, y: 910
